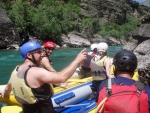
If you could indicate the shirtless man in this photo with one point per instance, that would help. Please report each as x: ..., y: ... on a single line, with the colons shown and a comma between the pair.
x: 30, y: 83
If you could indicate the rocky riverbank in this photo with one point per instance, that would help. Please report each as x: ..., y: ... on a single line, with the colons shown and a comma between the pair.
x: 140, y: 45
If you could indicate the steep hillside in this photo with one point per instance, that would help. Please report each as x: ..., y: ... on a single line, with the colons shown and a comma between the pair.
x: 48, y: 19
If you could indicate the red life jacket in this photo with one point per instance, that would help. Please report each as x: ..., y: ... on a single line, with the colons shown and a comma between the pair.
x: 93, y: 54
x: 122, y: 98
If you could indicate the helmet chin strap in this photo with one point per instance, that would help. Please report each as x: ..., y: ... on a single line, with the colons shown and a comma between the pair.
x: 47, y: 54
x: 33, y: 60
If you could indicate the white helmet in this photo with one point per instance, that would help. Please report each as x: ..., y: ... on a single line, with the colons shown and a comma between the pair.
x: 93, y: 46
x: 102, y: 46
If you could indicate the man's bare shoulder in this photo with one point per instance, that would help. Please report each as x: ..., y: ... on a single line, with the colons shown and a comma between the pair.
x: 37, y: 71
x: 42, y: 75
x: 45, y: 59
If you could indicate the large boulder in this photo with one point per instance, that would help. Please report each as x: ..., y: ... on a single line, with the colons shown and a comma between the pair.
x: 74, y: 39
x: 141, y: 47
x: 142, y: 33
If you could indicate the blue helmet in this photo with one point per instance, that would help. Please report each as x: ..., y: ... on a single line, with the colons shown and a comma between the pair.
x: 28, y: 47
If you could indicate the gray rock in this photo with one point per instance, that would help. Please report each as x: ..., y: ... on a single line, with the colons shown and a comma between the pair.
x: 141, y: 47
x: 74, y: 40
x: 7, y: 31
x: 131, y: 45
x: 144, y: 73
x: 13, y: 46
x: 146, y: 3
x: 142, y: 33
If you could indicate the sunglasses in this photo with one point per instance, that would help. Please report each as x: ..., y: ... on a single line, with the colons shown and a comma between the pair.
x: 37, y: 51
x: 49, y: 49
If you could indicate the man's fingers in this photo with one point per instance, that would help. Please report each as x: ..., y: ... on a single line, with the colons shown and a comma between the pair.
x: 83, y: 50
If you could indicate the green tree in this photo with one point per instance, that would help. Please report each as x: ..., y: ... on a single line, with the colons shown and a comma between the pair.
x: 19, y: 14
x: 117, y: 30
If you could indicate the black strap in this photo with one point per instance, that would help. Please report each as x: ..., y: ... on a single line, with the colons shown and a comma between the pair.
x: 140, y: 86
x: 109, y: 82
x: 33, y: 59
x: 26, y: 74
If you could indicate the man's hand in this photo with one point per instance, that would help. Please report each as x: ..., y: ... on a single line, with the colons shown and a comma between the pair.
x: 7, y: 90
x: 6, y: 95
x: 81, y: 56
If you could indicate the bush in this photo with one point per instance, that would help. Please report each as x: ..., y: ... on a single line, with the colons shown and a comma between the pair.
x: 19, y: 14
x: 118, y: 31
x: 48, y: 19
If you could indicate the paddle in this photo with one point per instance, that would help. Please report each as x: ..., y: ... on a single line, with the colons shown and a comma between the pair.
x: 68, y: 106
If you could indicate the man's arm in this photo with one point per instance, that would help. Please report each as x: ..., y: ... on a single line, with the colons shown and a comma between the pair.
x: 107, y: 64
x: 46, y: 64
x: 7, y: 90
x: 52, y: 77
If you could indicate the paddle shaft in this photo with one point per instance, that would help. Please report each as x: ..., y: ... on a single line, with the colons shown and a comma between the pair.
x: 68, y: 106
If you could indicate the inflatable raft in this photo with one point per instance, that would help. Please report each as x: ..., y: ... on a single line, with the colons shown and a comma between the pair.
x: 66, y: 99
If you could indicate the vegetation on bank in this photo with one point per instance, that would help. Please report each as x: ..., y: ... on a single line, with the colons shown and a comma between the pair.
x: 50, y: 18
x: 119, y: 31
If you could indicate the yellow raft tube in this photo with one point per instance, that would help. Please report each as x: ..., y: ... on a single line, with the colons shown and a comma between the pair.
x: 14, y: 107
